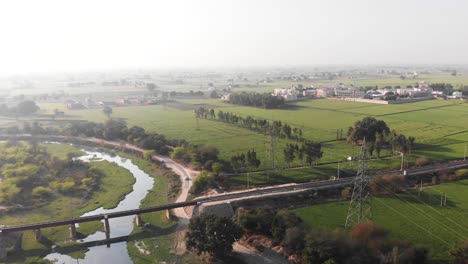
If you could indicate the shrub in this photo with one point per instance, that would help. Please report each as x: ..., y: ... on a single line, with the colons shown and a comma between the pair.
x: 461, y: 173
x: 365, y: 232
x: 148, y: 154
x: 203, y: 182
x: 42, y: 192
x: 422, y: 161
x: 346, y: 193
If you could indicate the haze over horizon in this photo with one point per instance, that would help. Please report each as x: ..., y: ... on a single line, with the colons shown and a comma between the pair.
x: 58, y: 36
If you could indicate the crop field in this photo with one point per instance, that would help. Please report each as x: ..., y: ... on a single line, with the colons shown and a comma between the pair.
x: 440, y: 128
x: 412, y: 216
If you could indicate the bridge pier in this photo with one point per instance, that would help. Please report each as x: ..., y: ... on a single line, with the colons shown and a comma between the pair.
x: 72, y: 232
x: 38, y: 234
x: 138, y: 220
x: 107, y: 227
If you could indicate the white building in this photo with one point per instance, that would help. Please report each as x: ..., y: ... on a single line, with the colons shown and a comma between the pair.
x: 289, y: 94
x: 325, y: 92
x: 347, y: 92
x: 310, y: 93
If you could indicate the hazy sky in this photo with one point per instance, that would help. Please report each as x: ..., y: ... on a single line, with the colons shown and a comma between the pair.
x: 61, y: 35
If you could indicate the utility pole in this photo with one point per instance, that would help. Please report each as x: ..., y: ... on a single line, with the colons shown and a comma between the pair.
x: 271, y: 154
x: 359, y: 207
x: 338, y: 174
x: 464, y: 154
x: 402, y: 161
x: 197, y: 123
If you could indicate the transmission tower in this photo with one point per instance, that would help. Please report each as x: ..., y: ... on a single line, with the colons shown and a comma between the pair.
x: 359, y: 207
x: 271, y: 154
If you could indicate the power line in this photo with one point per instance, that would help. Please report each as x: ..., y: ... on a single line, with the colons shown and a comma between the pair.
x: 411, y: 221
x: 424, y: 214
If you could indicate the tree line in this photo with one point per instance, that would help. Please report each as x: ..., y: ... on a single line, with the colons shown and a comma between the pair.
x: 262, y: 100
x: 276, y: 128
x: 241, y: 162
x: 308, y: 150
x: 26, y: 107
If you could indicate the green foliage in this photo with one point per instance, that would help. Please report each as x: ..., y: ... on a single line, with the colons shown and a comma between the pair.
x: 368, y: 128
x: 30, y: 173
x: 265, y: 100
x: 217, y: 167
x: 42, y: 192
x: 461, y: 173
x: 182, y: 154
x: 8, y: 191
x: 203, y: 182
x: 212, y: 234
x: 147, y: 155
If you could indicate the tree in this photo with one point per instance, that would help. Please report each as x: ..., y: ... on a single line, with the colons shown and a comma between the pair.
x: 367, y: 128
x: 107, y: 111
x: 312, y: 151
x: 214, y: 94
x: 26, y: 108
x: 289, y: 154
x: 459, y: 253
x: 151, y: 87
x: 212, y: 234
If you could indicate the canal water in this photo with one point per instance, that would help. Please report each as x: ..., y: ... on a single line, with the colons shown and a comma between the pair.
x: 117, y: 253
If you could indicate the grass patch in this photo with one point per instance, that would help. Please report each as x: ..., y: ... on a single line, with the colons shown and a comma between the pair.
x: 415, y: 217
x: 62, y: 151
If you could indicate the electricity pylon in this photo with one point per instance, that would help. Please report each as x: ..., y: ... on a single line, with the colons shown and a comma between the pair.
x: 360, y: 207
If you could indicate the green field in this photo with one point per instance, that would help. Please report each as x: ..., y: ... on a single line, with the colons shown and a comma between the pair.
x: 413, y: 216
x: 440, y: 127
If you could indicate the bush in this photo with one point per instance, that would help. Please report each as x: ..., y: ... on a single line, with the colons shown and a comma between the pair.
x: 364, y: 233
x: 346, y: 193
x: 422, y: 161
x: 461, y: 173
x: 217, y: 167
x: 148, y: 154
x: 42, y: 192
x: 203, y: 182
x: 63, y: 187
x: 181, y: 153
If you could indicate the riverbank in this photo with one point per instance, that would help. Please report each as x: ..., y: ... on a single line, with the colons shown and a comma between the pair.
x: 115, y: 184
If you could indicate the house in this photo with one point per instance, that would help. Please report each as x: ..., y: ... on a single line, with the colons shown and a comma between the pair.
x: 225, y: 97
x: 325, y: 92
x: 289, y: 94
x: 309, y: 93
x: 455, y: 95
x: 415, y: 92
x: 341, y: 91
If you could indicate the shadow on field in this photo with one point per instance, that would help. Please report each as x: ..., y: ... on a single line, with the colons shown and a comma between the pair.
x: 293, y: 107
